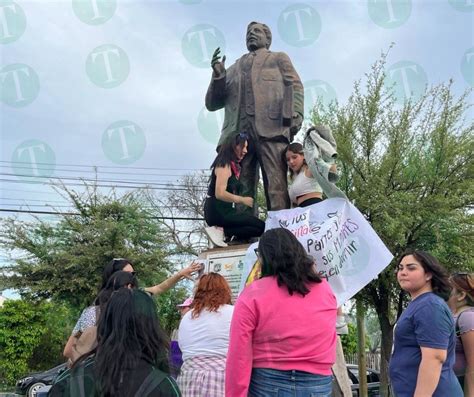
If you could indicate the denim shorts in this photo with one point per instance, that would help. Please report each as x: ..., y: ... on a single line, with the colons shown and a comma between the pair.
x: 275, y: 383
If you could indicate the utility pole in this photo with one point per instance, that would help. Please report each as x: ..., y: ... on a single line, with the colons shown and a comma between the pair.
x: 363, y: 390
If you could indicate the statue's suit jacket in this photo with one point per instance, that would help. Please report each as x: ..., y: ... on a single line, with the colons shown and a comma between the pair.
x: 277, y: 94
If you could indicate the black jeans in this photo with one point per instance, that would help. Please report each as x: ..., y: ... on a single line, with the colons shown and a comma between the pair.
x: 243, y: 226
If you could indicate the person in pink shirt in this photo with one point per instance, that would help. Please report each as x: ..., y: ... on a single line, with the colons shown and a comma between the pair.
x: 283, y: 330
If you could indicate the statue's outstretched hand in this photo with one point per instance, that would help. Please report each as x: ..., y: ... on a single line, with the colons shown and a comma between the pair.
x: 218, y: 66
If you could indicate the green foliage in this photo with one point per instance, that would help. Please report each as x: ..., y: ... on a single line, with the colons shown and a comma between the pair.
x: 373, y: 334
x: 349, y: 341
x: 261, y: 201
x: 64, y: 261
x: 409, y: 169
x: 167, y: 311
x: 32, y: 336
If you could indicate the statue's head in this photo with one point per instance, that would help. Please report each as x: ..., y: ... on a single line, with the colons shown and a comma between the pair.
x: 258, y: 36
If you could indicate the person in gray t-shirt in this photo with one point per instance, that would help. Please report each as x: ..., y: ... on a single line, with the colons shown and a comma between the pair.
x: 461, y: 303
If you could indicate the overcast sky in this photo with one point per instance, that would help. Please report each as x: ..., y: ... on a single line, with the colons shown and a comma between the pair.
x: 115, y: 83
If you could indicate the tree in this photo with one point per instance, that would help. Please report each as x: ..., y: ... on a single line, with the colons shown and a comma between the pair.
x: 31, y: 337
x: 409, y: 169
x: 349, y: 341
x: 181, y: 210
x: 64, y: 261
x: 373, y: 331
x: 169, y: 313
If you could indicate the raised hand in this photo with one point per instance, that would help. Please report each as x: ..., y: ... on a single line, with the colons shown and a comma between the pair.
x: 217, y: 65
x: 192, y: 268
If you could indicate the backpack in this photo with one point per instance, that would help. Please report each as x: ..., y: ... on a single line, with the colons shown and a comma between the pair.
x: 72, y: 383
x: 150, y: 383
x: 86, y: 342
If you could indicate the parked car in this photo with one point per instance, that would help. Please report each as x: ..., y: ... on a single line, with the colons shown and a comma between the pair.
x: 43, y: 391
x: 29, y: 385
x: 373, y: 381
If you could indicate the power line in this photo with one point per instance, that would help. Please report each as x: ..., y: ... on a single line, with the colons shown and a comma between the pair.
x: 47, y: 204
x: 100, y: 185
x: 109, y: 166
x: 35, y: 205
x: 95, y: 180
x: 19, y: 201
x: 77, y: 214
x: 27, y: 191
x: 93, y: 170
x: 16, y: 199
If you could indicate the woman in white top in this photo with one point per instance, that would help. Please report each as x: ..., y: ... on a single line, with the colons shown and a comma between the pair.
x: 203, y: 337
x: 303, y: 190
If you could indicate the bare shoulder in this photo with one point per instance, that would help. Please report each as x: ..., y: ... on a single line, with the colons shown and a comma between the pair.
x: 223, y: 171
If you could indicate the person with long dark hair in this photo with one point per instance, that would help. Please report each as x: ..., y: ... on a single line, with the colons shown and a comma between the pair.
x: 424, y: 337
x: 283, y: 331
x: 89, y: 315
x: 461, y: 303
x: 203, y: 337
x: 131, y: 357
x: 126, y: 265
x: 223, y: 194
x: 86, y: 338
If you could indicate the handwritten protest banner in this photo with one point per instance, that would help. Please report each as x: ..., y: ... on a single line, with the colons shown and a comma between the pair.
x: 347, y: 251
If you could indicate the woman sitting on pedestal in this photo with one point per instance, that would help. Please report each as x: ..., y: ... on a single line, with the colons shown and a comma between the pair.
x: 223, y: 194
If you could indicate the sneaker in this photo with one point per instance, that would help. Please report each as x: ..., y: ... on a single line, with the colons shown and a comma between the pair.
x: 216, y: 236
x: 341, y: 326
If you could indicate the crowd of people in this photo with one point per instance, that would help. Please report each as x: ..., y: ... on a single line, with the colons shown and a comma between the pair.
x: 118, y: 273
x: 278, y: 337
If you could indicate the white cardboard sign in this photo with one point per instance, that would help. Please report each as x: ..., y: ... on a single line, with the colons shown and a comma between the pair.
x: 347, y: 251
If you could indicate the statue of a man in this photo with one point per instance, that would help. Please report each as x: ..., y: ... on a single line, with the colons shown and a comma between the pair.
x: 263, y: 96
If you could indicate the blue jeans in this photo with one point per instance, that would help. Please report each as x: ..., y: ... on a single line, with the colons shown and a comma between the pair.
x: 275, y: 383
